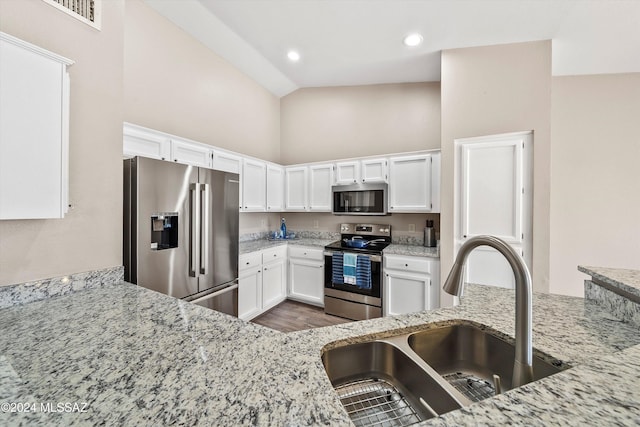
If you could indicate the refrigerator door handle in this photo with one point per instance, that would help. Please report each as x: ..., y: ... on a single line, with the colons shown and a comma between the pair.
x: 215, y: 294
x: 204, y: 228
x: 194, y: 227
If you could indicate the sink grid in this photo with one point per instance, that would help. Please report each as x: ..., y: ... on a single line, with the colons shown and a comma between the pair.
x: 474, y: 388
x: 375, y: 402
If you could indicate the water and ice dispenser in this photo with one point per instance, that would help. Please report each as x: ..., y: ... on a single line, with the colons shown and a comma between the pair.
x: 164, y: 230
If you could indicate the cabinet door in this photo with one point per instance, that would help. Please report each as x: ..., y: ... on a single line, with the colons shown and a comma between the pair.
x: 34, y: 120
x: 347, y: 172
x: 275, y: 188
x: 296, y: 188
x: 406, y: 293
x: 410, y: 184
x: 227, y: 162
x: 140, y: 142
x: 320, y: 180
x: 254, y: 188
x: 190, y: 154
x: 249, y: 293
x: 374, y: 170
x: 306, y: 281
x: 273, y: 284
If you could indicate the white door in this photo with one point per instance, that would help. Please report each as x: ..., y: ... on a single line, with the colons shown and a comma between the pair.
x: 410, y: 184
x: 275, y: 188
x: 295, y: 188
x: 406, y: 293
x: 495, y: 191
x: 320, y: 180
x: 254, y: 187
x: 374, y: 170
x: 306, y: 281
x: 249, y: 293
x: 273, y: 284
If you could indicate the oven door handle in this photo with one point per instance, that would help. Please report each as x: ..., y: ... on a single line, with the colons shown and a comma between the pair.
x: 373, y: 258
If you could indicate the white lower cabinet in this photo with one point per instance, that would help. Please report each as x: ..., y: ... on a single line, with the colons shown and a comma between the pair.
x: 306, y: 275
x: 411, y: 284
x: 262, y: 281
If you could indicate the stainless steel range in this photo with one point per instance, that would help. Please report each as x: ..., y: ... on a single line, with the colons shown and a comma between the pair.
x: 353, y: 271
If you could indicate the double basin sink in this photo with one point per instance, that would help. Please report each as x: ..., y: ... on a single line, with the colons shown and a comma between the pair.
x: 411, y: 377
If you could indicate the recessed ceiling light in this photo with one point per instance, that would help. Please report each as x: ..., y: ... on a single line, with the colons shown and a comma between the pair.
x: 413, y: 40
x: 293, y: 56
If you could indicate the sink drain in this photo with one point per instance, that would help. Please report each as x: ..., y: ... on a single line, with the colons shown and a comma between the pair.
x: 375, y: 402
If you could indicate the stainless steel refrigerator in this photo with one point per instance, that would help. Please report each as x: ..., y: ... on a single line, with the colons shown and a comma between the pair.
x: 181, y: 231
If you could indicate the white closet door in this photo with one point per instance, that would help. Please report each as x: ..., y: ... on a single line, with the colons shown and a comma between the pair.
x: 495, y: 199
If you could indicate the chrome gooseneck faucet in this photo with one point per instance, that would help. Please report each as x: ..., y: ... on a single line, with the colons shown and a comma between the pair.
x: 522, y: 365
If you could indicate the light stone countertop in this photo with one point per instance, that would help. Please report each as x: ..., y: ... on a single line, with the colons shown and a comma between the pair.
x: 623, y: 279
x: 411, y: 250
x: 258, y: 245
x: 137, y: 357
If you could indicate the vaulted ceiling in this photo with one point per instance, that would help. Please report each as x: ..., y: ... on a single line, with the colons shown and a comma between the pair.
x: 355, y: 42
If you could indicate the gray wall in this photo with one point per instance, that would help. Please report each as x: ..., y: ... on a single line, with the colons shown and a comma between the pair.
x: 492, y: 90
x: 350, y: 121
x: 90, y: 236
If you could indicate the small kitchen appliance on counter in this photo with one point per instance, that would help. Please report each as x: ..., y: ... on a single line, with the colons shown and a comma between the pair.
x: 353, y: 271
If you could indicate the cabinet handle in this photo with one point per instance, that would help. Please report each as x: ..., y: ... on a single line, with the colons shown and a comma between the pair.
x: 163, y: 158
x: 406, y: 265
x: 175, y: 160
x: 265, y: 269
x: 465, y: 236
x: 248, y: 263
x: 275, y: 254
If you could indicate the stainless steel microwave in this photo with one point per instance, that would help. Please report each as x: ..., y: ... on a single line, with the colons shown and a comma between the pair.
x: 360, y: 199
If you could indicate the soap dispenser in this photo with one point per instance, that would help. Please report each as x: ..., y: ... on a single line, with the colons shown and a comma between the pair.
x: 283, y: 229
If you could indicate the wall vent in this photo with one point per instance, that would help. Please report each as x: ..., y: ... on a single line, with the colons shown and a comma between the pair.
x: 87, y: 11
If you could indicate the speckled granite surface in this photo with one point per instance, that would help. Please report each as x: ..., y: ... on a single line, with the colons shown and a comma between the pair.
x: 624, y: 279
x: 616, y: 290
x: 258, y: 245
x: 137, y: 357
x: 412, y: 250
x: 23, y: 293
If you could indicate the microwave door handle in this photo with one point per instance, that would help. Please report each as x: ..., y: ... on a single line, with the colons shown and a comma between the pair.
x: 194, y: 226
x: 204, y: 228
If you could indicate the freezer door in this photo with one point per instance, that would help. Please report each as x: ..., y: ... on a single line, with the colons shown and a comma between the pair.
x: 159, y: 188
x: 219, y: 239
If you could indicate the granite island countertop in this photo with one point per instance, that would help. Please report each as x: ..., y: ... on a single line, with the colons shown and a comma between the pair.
x: 136, y: 357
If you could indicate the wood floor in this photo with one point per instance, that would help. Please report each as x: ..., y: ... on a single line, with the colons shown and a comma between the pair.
x: 290, y: 316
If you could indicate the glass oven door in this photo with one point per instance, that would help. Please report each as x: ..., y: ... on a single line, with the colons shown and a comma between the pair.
x: 375, y: 266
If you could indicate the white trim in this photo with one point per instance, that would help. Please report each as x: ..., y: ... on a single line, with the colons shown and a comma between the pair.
x: 36, y: 49
x: 97, y: 13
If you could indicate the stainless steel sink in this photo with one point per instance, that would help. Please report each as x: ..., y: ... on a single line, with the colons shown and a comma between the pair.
x: 411, y: 377
x: 469, y: 356
x: 379, y: 383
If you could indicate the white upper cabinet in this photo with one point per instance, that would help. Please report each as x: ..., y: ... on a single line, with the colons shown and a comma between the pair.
x: 191, y: 154
x: 347, y: 172
x: 296, y: 188
x: 411, y: 183
x: 227, y: 162
x: 254, y: 188
x: 320, y: 181
x: 373, y: 170
x: 140, y: 142
x: 275, y: 188
x: 361, y: 171
x: 34, y: 131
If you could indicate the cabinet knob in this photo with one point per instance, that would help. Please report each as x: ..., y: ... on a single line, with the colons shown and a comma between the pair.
x: 247, y: 263
x: 406, y: 265
x: 175, y: 160
x: 465, y: 236
x: 275, y: 255
x: 355, y: 180
x: 265, y: 269
x: 163, y: 158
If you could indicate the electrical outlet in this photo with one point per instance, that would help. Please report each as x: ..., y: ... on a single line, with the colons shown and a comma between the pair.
x: 412, y: 228
x: 316, y: 224
x: 263, y: 223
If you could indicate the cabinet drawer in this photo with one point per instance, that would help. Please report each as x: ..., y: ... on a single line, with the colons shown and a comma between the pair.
x: 306, y: 253
x: 415, y: 264
x: 274, y: 254
x: 250, y: 260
